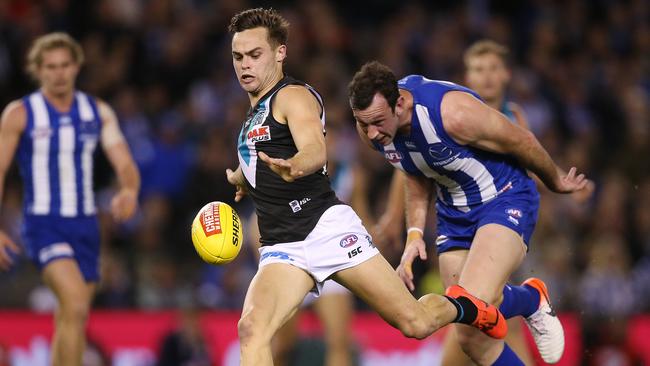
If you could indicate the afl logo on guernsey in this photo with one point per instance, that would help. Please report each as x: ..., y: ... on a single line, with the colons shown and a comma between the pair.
x: 348, y: 241
x: 41, y: 132
x: 393, y: 156
x: 211, y: 221
x: 441, y: 153
x: 516, y: 213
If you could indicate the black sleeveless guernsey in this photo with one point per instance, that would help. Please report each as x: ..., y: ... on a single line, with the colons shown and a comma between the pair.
x: 287, y: 212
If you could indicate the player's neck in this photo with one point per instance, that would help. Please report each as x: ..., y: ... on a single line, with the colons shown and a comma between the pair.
x: 60, y: 101
x: 268, y: 85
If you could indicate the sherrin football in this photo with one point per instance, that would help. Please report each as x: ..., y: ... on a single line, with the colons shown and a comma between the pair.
x: 217, y: 233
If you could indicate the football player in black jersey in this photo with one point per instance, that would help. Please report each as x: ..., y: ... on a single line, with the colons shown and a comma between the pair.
x: 307, y: 234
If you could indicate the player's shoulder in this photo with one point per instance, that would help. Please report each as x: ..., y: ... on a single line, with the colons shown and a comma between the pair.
x: 291, y: 91
x: 294, y: 95
x: 106, y: 112
x: 14, y: 114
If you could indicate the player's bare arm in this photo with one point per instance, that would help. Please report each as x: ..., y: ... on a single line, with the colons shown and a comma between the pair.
x: 417, y: 199
x: 12, y: 125
x: 237, y: 179
x: 299, y: 108
x: 125, y: 202
x: 470, y: 122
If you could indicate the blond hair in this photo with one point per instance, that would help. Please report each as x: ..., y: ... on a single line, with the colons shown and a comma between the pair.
x: 484, y: 47
x: 50, y: 42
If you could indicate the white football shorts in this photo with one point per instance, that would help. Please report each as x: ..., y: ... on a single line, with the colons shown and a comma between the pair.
x: 338, y: 241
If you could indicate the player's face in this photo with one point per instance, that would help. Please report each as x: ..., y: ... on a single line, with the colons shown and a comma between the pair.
x: 378, y: 121
x: 257, y: 63
x: 58, y: 71
x: 487, y: 75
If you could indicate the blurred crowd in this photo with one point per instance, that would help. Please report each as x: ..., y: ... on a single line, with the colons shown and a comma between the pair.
x: 580, y: 72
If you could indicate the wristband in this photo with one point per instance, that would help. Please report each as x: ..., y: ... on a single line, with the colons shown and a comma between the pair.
x: 417, y: 229
x: 414, y: 233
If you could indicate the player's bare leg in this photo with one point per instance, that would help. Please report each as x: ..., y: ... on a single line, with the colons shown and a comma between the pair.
x: 496, y: 252
x: 335, y: 312
x: 452, y: 353
x: 274, y: 295
x: 375, y: 282
x: 74, y: 296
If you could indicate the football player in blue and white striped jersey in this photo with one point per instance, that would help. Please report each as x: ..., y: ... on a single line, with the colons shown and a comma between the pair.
x: 53, y: 133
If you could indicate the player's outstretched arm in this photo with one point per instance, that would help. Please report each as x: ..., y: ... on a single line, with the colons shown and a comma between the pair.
x: 417, y: 200
x: 299, y: 108
x: 125, y: 202
x: 470, y: 122
x: 12, y: 125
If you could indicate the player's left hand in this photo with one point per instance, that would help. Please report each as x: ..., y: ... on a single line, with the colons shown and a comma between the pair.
x: 584, y: 194
x: 281, y: 167
x: 414, y: 248
x: 123, y: 204
x: 570, y: 182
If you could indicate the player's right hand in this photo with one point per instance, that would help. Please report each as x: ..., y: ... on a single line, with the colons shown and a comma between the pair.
x: 236, y: 178
x: 6, y: 245
x: 414, y: 248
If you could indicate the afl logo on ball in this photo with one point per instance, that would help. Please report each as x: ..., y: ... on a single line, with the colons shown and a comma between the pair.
x: 348, y: 241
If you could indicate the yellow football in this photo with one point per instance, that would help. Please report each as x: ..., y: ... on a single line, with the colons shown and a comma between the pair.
x: 217, y: 233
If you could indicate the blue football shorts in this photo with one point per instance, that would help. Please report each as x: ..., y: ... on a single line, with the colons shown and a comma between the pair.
x: 48, y: 238
x: 515, y: 208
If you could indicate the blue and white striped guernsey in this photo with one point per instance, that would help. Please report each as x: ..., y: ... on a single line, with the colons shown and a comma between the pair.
x: 466, y: 176
x: 55, y: 156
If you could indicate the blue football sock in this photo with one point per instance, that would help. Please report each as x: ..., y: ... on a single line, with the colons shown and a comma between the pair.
x: 519, y: 300
x: 507, y: 358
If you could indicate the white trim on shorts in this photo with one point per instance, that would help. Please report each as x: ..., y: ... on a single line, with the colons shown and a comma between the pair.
x: 337, y: 242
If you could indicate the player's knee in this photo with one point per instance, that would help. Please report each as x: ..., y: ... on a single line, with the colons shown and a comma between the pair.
x: 73, y: 311
x: 250, y: 330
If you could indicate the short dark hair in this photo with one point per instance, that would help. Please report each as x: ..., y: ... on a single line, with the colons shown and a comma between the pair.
x: 372, y: 78
x: 277, y: 26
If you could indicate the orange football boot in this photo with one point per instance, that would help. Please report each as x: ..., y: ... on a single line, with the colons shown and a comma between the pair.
x: 489, y: 319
